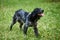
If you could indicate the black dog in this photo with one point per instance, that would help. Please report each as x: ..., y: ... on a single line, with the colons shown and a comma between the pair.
x: 29, y: 19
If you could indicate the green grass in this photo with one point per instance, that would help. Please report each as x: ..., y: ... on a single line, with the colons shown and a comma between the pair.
x: 48, y: 25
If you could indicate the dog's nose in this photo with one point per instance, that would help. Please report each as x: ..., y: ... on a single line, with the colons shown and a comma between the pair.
x: 42, y: 11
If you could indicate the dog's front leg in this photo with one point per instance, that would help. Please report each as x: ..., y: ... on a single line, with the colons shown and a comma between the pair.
x: 35, y: 29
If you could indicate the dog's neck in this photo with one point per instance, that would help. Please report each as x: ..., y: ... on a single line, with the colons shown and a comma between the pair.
x: 34, y: 18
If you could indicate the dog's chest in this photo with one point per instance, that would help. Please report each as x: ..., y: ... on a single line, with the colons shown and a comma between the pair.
x: 30, y: 23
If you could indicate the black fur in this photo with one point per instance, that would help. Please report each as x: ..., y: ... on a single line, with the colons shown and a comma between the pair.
x: 29, y: 19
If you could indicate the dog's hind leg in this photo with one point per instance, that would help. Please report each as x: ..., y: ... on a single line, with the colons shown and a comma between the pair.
x: 25, y: 29
x: 13, y: 22
x: 21, y: 25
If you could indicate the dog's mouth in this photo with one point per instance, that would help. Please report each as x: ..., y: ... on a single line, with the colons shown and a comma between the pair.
x: 41, y: 14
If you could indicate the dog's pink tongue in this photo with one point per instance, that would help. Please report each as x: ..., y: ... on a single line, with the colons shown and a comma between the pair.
x: 42, y: 14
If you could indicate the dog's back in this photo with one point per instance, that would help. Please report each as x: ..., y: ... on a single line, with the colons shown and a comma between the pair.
x: 20, y: 15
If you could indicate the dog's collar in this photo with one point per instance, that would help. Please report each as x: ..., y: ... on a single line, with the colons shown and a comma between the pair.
x: 28, y: 14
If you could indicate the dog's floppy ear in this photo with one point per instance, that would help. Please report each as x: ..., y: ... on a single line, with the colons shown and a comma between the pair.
x: 34, y: 12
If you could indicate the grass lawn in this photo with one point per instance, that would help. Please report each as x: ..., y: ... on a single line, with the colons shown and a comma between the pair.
x: 48, y: 25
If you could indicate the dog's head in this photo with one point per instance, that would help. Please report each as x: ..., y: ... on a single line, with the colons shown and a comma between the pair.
x: 38, y: 12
